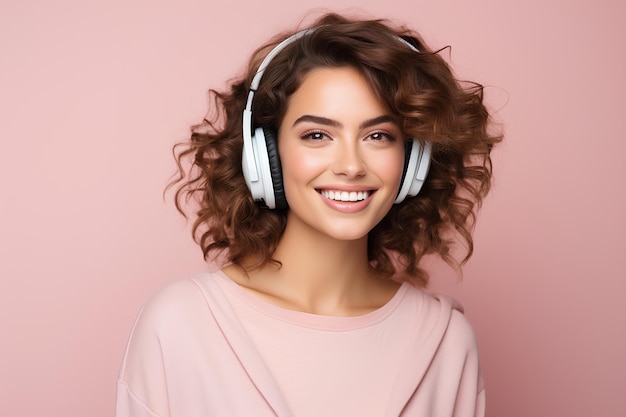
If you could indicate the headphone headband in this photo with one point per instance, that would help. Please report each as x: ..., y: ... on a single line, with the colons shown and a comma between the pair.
x: 256, y: 80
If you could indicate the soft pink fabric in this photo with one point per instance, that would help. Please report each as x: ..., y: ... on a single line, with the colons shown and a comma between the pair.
x: 197, y: 349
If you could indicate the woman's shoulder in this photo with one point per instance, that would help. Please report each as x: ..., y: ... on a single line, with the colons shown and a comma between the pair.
x: 443, y: 312
x: 180, y: 299
x: 178, y: 291
x: 459, y: 333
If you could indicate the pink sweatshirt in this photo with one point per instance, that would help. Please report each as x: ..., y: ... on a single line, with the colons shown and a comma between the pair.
x: 204, y: 347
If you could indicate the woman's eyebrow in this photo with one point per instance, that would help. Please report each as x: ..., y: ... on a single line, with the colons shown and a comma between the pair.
x: 376, y: 121
x: 319, y: 120
x: 334, y: 123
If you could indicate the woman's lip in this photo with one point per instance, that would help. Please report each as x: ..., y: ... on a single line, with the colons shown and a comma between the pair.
x: 347, y: 206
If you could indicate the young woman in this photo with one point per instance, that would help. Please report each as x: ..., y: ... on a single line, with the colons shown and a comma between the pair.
x: 343, y: 155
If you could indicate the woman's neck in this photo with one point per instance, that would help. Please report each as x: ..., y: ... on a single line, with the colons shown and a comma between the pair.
x: 319, y: 274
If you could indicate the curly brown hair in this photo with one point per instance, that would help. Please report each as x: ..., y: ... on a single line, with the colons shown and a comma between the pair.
x: 418, y: 88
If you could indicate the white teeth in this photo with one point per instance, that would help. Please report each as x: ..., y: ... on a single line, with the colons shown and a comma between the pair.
x: 345, y: 195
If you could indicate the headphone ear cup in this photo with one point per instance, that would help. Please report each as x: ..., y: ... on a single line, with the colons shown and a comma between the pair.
x: 416, y: 164
x: 276, y: 171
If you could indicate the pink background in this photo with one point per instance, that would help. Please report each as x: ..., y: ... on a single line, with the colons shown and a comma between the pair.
x: 93, y: 95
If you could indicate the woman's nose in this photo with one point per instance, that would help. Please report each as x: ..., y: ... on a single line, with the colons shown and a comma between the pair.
x: 348, y: 160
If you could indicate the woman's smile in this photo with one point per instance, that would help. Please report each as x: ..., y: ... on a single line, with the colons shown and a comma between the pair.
x: 346, y: 201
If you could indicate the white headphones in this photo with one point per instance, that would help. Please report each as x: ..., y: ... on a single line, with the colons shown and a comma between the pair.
x: 261, y: 163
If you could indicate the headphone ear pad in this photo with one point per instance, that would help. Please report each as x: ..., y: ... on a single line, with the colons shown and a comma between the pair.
x: 407, y: 156
x: 271, y: 143
x: 403, y: 186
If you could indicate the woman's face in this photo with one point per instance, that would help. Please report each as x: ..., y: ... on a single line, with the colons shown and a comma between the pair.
x: 342, y: 155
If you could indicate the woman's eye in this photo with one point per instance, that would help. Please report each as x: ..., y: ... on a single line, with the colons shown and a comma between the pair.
x: 314, y: 135
x: 382, y: 136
